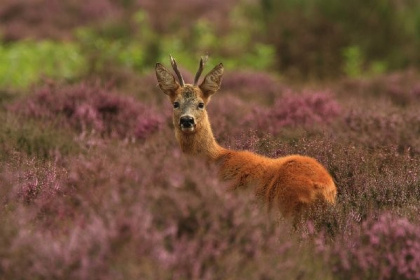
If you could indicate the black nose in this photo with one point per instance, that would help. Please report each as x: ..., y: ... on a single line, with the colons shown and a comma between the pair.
x: 186, y: 121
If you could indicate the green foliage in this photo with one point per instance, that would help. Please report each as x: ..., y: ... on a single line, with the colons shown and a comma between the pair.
x: 353, y: 61
x: 354, y: 64
x: 327, y: 38
x: 102, y: 52
x: 25, y: 62
x: 116, y: 45
x: 141, y: 48
x: 260, y: 58
x: 236, y: 49
x: 303, y: 39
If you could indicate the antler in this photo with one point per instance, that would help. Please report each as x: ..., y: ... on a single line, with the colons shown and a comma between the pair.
x: 203, y: 61
x: 175, y: 67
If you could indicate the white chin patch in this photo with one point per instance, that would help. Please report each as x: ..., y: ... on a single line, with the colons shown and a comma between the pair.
x: 187, y: 129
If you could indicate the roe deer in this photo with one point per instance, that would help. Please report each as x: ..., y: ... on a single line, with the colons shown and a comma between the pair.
x: 292, y: 183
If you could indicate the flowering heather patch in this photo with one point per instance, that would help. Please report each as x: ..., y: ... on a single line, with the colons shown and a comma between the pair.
x: 143, y: 210
x: 52, y: 18
x: 34, y: 138
x: 90, y: 109
x: 226, y: 112
x: 295, y: 110
x: 252, y: 85
x: 371, y: 182
x: 29, y: 180
x: 402, y: 88
x: 177, y: 221
x: 368, y: 181
x: 145, y: 88
x: 384, y: 127
x: 387, y: 247
x: 167, y: 20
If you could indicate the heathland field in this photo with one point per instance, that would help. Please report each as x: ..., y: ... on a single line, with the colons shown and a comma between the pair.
x: 93, y: 184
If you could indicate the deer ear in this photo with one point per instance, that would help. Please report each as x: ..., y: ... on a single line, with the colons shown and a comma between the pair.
x: 212, y: 81
x: 166, y: 80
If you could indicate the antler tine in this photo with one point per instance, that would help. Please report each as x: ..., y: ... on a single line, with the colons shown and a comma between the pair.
x: 175, y: 67
x: 203, y: 61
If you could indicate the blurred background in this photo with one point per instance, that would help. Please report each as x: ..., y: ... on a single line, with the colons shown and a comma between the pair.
x: 298, y: 40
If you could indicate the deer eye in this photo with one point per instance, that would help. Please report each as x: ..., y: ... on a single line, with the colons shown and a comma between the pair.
x: 201, y: 105
x: 176, y: 105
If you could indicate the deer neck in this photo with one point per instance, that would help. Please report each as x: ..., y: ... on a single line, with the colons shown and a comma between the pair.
x: 201, y: 142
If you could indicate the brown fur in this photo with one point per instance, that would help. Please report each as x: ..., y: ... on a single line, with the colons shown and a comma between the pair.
x: 292, y: 183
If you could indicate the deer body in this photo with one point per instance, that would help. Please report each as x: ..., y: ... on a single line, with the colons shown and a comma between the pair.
x: 291, y: 183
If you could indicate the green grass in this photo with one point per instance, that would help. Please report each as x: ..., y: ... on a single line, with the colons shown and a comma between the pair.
x: 25, y: 62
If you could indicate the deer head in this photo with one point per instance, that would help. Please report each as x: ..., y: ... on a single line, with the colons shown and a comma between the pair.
x: 189, y: 100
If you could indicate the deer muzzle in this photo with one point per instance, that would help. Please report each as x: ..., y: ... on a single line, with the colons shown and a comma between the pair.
x: 187, y: 123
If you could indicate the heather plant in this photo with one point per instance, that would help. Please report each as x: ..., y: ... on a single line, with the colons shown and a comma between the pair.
x: 122, y: 210
x: 373, y: 182
x: 7, y: 96
x: 307, y: 109
x: 30, y: 180
x: 226, y: 120
x: 383, y: 247
x: 367, y: 181
x: 388, y: 127
x: 401, y: 88
x: 178, y: 224
x: 252, y: 85
x: 166, y: 21
x: 54, y: 19
x: 89, y: 108
x: 34, y: 138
